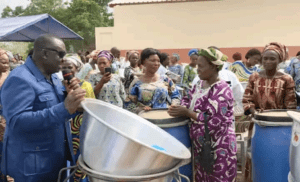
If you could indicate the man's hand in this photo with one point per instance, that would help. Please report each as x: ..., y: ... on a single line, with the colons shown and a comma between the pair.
x: 74, y: 99
x: 74, y: 84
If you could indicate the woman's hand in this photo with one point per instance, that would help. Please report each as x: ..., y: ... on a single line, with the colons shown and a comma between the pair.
x: 253, y: 111
x: 147, y: 108
x: 74, y: 84
x: 177, y: 111
x: 106, y: 77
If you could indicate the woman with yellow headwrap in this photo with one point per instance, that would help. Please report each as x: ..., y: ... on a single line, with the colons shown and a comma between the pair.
x: 211, y: 98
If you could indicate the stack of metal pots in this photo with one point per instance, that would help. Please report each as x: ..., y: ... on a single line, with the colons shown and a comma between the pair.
x: 117, y: 145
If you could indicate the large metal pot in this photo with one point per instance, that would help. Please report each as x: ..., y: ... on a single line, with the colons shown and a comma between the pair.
x: 166, y: 176
x: 116, y: 141
x: 294, y: 155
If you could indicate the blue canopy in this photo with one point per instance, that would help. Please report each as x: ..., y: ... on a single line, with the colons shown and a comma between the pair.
x: 28, y: 28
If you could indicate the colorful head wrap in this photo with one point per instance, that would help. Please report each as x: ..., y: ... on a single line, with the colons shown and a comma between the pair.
x: 193, y: 52
x: 106, y: 54
x: 75, y: 59
x: 280, y: 49
x: 224, y: 58
x: 214, y: 56
x: 176, y: 55
x: 130, y: 53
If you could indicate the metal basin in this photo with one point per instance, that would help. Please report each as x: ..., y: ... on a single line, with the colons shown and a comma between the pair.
x: 166, y: 176
x: 116, y: 141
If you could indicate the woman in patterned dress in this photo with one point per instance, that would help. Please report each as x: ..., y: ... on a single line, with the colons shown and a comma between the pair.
x: 190, y: 71
x: 74, y: 64
x: 243, y: 69
x: 212, y: 96
x: 151, y: 90
x: 174, y: 66
x: 268, y: 89
x: 132, y: 70
x: 108, y: 87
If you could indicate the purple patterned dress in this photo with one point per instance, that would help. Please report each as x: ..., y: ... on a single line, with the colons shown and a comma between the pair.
x: 217, y: 101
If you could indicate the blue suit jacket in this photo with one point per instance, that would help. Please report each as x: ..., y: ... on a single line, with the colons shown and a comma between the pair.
x: 37, y: 140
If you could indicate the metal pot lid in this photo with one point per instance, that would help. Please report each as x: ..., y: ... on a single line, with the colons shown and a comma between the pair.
x: 164, y: 121
x: 294, y: 115
x: 275, y: 115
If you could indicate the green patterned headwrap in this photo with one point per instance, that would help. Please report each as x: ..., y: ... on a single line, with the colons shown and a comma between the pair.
x: 215, y: 56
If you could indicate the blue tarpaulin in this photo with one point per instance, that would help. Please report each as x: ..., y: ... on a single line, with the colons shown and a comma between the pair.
x: 28, y: 28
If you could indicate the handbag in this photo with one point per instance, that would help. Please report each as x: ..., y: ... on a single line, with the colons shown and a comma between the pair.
x: 206, y: 156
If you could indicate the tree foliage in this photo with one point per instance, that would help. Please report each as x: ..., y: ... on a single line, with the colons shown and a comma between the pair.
x: 81, y: 16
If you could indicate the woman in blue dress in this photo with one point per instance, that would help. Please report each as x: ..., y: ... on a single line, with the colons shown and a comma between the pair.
x: 174, y: 66
x: 151, y: 90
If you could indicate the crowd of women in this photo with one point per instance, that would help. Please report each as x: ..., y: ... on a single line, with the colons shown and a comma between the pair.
x: 208, y: 88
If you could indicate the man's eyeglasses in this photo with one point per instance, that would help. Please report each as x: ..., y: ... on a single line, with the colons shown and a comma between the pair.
x: 61, y: 54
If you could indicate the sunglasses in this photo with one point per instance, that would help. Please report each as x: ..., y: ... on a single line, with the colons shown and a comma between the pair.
x: 61, y: 54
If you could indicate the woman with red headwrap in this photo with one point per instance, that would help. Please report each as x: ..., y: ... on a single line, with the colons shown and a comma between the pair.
x: 269, y: 88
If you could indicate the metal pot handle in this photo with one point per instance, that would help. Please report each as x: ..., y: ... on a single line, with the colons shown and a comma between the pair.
x: 75, y: 167
x: 178, y: 176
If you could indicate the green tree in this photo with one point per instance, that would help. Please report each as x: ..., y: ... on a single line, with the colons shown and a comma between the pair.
x: 82, y: 17
x: 7, y: 12
x: 18, y: 11
x: 43, y: 6
x: 102, y: 2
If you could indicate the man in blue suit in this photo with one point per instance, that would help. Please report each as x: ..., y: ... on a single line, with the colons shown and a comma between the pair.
x: 37, y: 141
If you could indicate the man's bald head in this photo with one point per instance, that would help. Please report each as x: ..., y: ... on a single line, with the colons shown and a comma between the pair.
x: 48, y: 52
x: 44, y: 40
x: 116, y: 52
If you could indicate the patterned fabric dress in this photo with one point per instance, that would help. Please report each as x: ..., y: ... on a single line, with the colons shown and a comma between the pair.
x: 86, y: 71
x: 75, y: 130
x: 217, y: 102
x: 176, y: 69
x: 294, y: 70
x: 129, y: 75
x: 189, y: 75
x: 241, y: 71
x: 154, y: 95
x: 264, y: 93
x: 112, y: 92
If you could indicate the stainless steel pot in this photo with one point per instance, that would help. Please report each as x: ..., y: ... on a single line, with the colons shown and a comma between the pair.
x: 116, y: 141
x: 295, y: 148
x: 166, y: 176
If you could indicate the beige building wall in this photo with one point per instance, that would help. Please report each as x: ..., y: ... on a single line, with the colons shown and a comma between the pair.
x: 104, y: 38
x: 184, y: 25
